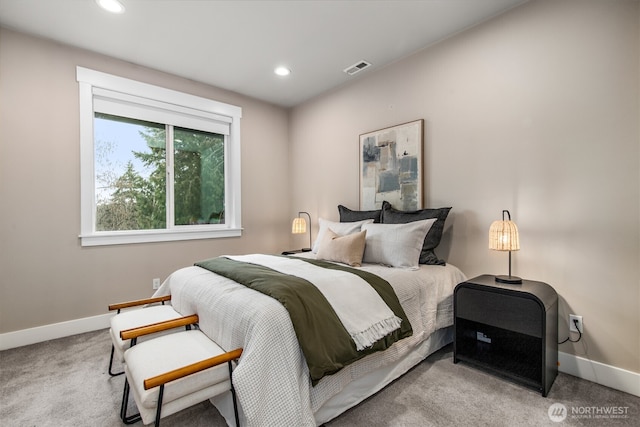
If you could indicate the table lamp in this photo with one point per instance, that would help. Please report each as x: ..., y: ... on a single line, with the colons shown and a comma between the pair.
x: 299, y: 226
x: 503, y: 236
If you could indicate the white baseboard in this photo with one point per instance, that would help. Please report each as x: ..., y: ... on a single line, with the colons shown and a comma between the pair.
x: 56, y: 330
x: 606, y: 375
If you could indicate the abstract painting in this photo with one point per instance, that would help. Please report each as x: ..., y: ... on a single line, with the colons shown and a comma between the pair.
x: 391, y: 167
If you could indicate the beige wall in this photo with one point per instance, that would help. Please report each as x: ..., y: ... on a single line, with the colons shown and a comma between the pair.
x: 45, y: 275
x: 535, y: 111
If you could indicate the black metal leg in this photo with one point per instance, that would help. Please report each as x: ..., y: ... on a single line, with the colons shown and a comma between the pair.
x: 125, y: 397
x: 111, y: 364
x: 111, y: 359
x: 123, y: 410
x: 159, y: 409
x: 233, y: 396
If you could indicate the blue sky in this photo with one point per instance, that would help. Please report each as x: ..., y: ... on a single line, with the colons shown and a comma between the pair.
x: 114, y: 143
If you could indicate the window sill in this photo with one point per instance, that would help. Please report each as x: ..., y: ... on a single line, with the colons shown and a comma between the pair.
x: 151, y: 236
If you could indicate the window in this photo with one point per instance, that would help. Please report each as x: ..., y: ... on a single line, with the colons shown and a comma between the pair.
x: 156, y: 165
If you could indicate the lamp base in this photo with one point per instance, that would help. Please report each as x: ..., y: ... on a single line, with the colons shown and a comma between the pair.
x: 514, y: 280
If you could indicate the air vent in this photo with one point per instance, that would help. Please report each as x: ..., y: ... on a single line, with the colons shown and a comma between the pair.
x: 357, y: 67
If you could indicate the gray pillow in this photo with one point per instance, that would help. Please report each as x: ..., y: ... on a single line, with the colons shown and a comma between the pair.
x: 347, y: 215
x: 432, y: 239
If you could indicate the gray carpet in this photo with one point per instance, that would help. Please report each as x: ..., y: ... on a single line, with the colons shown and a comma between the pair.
x: 65, y: 382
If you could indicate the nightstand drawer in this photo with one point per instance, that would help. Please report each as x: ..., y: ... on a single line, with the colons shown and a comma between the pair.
x: 509, y: 312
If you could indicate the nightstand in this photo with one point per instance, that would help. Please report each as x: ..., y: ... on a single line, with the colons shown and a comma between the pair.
x: 508, y: 330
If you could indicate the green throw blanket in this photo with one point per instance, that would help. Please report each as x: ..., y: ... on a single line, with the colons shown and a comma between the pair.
x: 326, y: 344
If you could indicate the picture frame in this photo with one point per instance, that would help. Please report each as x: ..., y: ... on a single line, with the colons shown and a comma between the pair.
x: 391, y: 167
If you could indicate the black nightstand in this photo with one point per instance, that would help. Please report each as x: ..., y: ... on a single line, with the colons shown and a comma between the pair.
x: 509, y: 330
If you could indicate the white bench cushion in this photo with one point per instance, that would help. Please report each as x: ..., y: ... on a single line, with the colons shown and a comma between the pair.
x: 137, y: 317
x: 169, y: 352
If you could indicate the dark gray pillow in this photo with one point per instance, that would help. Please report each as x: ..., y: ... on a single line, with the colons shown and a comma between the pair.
x: 347, y: 215
x: 432, y: 239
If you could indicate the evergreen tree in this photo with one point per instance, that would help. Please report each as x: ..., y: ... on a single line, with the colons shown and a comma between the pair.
x: 139, y: 203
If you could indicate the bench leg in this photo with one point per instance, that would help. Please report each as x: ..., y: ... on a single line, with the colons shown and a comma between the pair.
x: 111, y: 364
x: 233, y: 395
x: 125, y: 402
x: 159, y: 409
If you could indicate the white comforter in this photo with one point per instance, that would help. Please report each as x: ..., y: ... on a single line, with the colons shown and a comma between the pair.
x: 271, y: 379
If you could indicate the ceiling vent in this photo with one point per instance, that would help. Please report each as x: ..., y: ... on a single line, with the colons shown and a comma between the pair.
x: 357, y: 67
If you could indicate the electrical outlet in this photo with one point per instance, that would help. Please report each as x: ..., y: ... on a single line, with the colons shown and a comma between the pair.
x: 156, y: 283
x: 572, y: 325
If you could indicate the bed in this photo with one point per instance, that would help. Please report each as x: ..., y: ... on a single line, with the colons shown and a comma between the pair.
x: 272, y: 379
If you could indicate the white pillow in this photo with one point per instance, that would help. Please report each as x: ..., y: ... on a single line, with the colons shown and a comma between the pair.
x: 340, y: 228
x: 396, y: 245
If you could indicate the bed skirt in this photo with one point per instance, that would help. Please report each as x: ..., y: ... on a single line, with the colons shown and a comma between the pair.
x: 362, y: 388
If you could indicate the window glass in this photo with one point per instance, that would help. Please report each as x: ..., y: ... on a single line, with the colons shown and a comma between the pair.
x: 199, y: 177
x: 130, y: 174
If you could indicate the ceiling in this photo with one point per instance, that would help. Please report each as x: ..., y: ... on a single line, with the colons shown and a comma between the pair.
x: 236, y: 45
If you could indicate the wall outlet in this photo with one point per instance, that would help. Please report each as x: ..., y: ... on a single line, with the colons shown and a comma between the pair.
x: 156, y: 283
x: 572, y: 325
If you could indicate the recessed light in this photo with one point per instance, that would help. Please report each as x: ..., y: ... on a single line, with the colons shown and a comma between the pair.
x: 113, y: 6
x: 282, y: 71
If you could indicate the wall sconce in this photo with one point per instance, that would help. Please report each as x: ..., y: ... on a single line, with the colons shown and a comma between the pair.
x: 299, y: 226
x: 503, y: 236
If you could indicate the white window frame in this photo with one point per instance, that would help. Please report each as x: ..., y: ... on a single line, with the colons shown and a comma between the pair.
x: 98, y: 85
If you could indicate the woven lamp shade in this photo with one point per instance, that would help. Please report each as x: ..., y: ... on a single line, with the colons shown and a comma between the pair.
x: 503, y: 236
x: 299, y: 226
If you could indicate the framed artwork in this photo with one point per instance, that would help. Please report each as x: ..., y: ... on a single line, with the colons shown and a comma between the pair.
x: 391, y: 167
